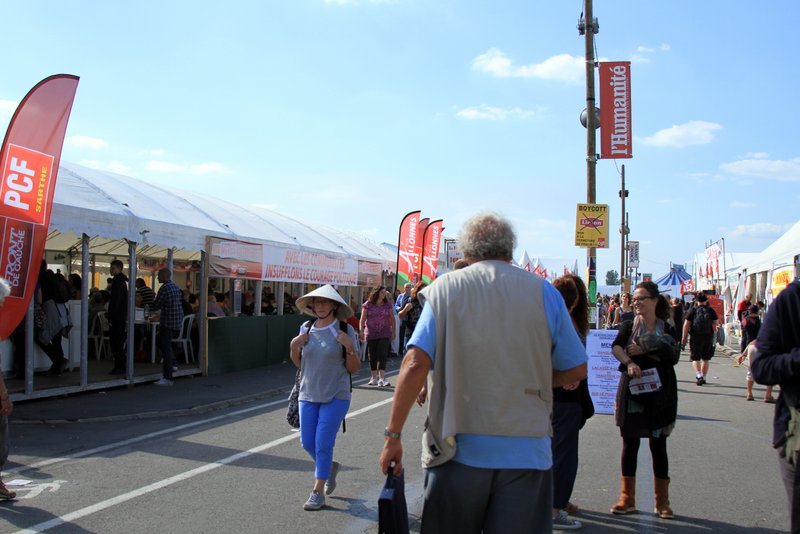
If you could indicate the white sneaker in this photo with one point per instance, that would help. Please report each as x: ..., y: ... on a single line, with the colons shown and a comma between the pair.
x: 372, y: 382
x: 163, y: 382
x: 383, y: 383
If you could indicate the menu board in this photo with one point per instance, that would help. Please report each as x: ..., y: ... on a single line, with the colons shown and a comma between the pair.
x: 603, y: 373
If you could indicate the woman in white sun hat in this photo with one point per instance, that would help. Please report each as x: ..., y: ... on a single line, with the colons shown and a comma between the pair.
x: 325, y: 355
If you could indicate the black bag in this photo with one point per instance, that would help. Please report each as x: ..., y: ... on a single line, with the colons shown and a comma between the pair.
x: 392, y: 509
x: 293, y: 411
x: 702, y: 322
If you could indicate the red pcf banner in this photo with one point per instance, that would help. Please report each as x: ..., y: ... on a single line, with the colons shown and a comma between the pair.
x: 29, y: 157
x: 407, y: 247
x: 430, y: 251
x: 615, y: 110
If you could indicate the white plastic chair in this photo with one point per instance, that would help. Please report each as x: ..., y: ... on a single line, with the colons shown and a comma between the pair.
x: 185, y: 338
x: 99, y: 334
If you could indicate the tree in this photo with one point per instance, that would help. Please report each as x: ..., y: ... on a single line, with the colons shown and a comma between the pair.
x: 612, y: 278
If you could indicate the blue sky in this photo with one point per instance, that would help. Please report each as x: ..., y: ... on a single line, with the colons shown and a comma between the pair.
x: 354, y: 112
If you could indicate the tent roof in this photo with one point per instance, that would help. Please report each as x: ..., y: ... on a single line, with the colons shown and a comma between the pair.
x: 112, y: 208
x: 673, y: 278
x: 782, y: 250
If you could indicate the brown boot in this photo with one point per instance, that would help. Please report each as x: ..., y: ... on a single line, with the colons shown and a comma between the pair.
x: 662, y: 499
x: 627, y: 498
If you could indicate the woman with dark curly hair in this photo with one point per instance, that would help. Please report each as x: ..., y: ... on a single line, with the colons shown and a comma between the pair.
x: 647, y: 397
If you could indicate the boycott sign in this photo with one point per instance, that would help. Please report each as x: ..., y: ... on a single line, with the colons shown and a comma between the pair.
x: 293, y: 265
x: 591, y: 226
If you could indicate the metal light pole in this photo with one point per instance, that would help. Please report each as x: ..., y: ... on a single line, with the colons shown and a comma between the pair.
x: 623, y: 230
x: 588, y: 27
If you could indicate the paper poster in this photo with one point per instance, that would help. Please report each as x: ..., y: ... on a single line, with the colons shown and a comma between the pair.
x: 603, y: 373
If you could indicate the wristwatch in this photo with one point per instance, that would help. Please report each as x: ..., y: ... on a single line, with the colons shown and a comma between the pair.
x: 389, y: 434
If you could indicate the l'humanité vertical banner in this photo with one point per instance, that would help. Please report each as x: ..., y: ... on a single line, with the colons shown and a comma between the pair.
x: 430, y: 250
x: 416, y: 276
x: 615, y: 110
x: 407, y: 240
x: 30, y: 155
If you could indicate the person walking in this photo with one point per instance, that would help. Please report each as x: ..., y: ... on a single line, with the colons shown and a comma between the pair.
x: 6, y: 407
x: 701, y: 321
x: 777, y: 362
x: 325, y: 355
x: 646, y: 347
x: 572, y: 406
x: 376, y: 327
x: 500, y: 337
x: 118, y: 317
x: 169, y: 314
x: 399, y: 304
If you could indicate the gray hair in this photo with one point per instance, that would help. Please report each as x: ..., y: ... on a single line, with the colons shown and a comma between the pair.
x: 5, y: 290
x: 488, y: 235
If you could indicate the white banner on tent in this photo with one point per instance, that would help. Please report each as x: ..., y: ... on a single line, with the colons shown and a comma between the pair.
x: 603, y: 372
x: 294, y: 265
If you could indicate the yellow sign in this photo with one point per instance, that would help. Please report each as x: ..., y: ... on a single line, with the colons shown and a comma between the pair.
x: 781, y: 278
x: 591, y: 226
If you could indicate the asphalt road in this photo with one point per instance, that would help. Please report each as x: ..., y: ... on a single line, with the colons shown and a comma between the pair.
x: 243, y: 470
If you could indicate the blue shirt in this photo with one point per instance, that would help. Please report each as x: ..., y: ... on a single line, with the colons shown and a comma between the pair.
x: 505, y: 452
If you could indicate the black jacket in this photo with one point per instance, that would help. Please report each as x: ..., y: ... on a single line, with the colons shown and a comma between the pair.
x: 777, y: 359
x: 118, y: 305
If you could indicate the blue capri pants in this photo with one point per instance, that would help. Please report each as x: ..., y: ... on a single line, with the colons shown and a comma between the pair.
x: 319, y: 424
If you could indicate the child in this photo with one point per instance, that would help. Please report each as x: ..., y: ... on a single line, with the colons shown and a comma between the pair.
x: 749, y: 351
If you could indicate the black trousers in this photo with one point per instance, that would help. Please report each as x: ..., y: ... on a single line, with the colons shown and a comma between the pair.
x: 791, y: 481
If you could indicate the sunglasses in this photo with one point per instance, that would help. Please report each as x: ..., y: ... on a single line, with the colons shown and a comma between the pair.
x: 640, y: 299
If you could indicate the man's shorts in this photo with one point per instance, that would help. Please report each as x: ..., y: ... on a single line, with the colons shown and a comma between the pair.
x: 701, y: 347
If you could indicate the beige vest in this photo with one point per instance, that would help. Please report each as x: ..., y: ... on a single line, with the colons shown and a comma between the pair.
x: 493, y: 369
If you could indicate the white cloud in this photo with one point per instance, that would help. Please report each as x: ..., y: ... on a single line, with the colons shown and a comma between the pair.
x: 738, y: 204
x: 211, y: 167
x: 113, y: 166
x: 84, y: 141
x: 157, y: 152
x: 164, y: 166
x: 760, y: 230
x: 664, y: 47
x: 683, y: 135
x: 561, y: 67
x: 756, y: 155
x: 7, y: 108
x: 492, y: 113
x: 644, y: 54
x: 118, y: 167
x: 781, y: 170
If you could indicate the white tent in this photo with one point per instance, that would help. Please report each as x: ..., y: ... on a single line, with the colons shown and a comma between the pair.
x: 780, y: 252
x: 111, y: 208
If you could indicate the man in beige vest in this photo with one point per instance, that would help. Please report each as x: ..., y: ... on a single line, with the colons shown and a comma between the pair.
x: 497, y: 339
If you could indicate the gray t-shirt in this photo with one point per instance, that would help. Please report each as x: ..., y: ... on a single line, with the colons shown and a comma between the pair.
x: 323, y: 374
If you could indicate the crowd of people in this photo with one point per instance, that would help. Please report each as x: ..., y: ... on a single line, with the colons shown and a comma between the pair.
x: 498, y: 355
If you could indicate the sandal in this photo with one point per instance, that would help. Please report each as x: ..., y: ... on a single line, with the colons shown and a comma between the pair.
x: 6, y: 494
x: 749, y: 397
x: 770, y: 400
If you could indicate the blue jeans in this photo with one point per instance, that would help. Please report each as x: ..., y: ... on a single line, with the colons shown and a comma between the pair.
x: 567, y: 418
x: 470, y: 500
x: 319, y: 424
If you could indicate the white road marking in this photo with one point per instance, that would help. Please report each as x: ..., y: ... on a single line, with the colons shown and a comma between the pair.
x: 108, y: 503
x: 146, y: 437
x: 35, y: 489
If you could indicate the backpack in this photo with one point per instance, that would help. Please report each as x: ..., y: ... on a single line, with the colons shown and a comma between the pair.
x: 61, y: 289
x: 702, y: 322
x: 293, y: 410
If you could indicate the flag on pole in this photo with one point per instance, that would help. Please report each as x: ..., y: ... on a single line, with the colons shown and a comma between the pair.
x: 30, y: 155
x: 430, y: 250
x: 525, y: 262
x: 409, y: 235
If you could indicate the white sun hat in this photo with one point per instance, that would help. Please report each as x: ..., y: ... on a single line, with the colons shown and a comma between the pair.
x: 343, y: 311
